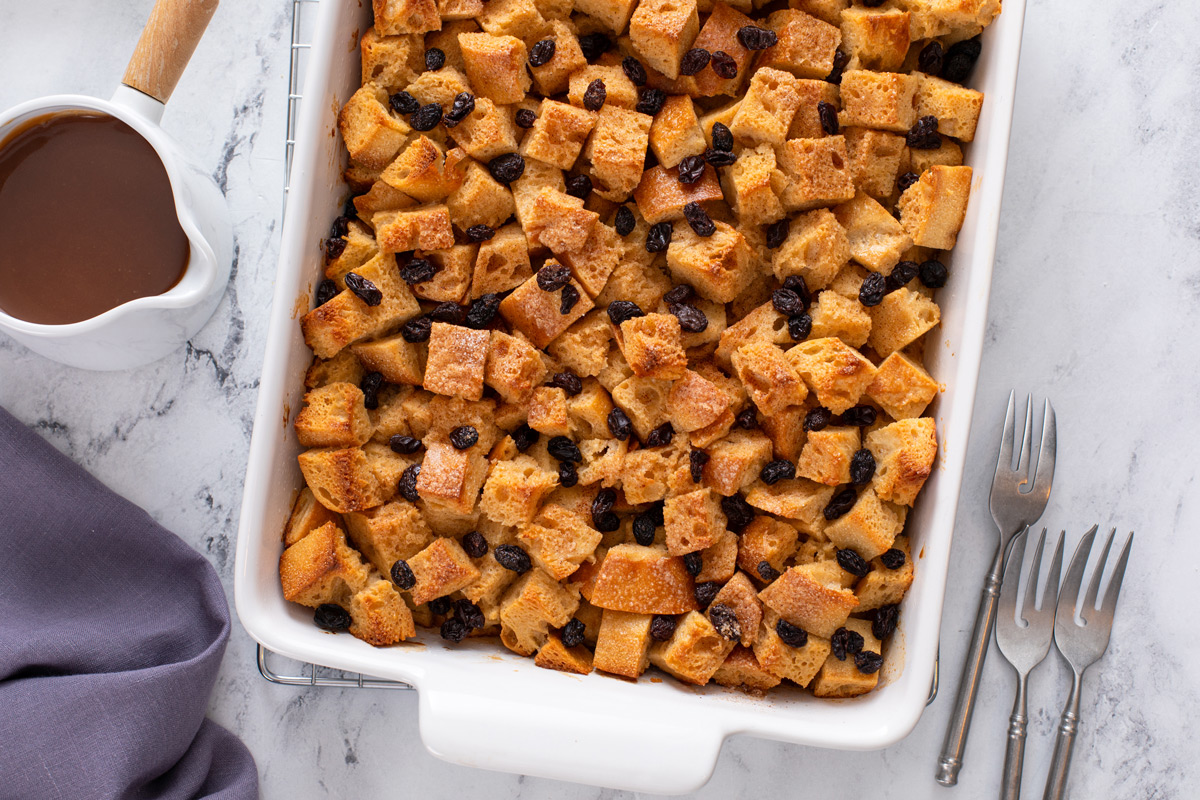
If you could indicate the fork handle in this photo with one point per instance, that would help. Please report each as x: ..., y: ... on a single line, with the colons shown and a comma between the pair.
x: 1014, y: 754
x: 950, y: 760
x: 1064, y: 745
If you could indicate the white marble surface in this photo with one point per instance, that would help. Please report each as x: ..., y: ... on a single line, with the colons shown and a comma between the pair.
x: 1094, y: 303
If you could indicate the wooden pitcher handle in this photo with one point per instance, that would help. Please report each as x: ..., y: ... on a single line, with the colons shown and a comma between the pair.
x: 167, y: 43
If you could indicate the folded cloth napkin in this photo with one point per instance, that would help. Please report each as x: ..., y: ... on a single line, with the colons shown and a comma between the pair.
x: 111, y: 633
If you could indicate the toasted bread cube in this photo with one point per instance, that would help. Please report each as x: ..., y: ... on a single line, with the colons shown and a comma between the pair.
x: 487, y: 132
x: 868, y: 528
x: 603, y: 461
x: 447, y: 519
x: 843, y: 678
x: 555, y: 655
x: 827, y: 454
x: 806, y: 124
x: 502, y: 262
x: 660, y: 196
x: 814, y: 172
x: 537, y: 313
x: 559, y: 541
x: 515, y: 490
x: 903, y: 317
x: 826, y: 10
x: 481, y: 200
x: 381, y: 197
x: 748, y: 184
x: 372, y: 135
x: 589, y: 411
x: 360, y: 248
x: 321, y: 568
x: 768, y: 540
x: 346, y: 318
x: 771, y: 380
x: 676, y: 132
x: 536, y: 177
x: 419, y: 171
x: 493, y: 581
x: 720, y: 33
x: 742, y: 670
x: 534, y: 604
x: 956, y: 107
x: 809, y: 597
x: 876, y: 239
x: 695, y: 402
x: 558, y: 221
x: 392, y: 531
x: 694, y: 521
x: 519, y: 18
x: 662, y: 31
x: 902, y: 387
x: 341, y: 478
x: 548, y: 411
x: 740, y: 595
x: 558, y: 135
x: 613, y: 14
x: 406, y: 16
x: 643, y: 580
x: 583, y: 348
x: 837, y: 315
x: 644, y: 401
x: 496, y: 66
x: 837, y: 373
x: 387, y: 465
x: 875, y: 159
x: 735, y: 461
x: 849, y: 280
x: 392, y: 62
x: 647, y: 473
x: 451, y: 478
x: 343, y: 367
x: 948, y: 155
x: 619, y: 90
x: 694, y: 652
x: 805, y: 47
x: 786, y: 430
x: 439, y: 86
x: 594, y: 261
x: 379, y: 615
x: 904, y: 452
x: 800, y: 500
x: 882, y: 100
x: 616, y: 151
x: 718, y: 267
x: 448, y: 413
x: 333, y: 416
x: 762, y: 324
x: 307, y: 515
x: 623, y: 643
x: 652, y: 346
x: 875, y: 39
x: 457, y: 357
x: 553, y: 77
x: 932, y: 209
x: 644, y: 284
x: 441, y: 569
x: 422, y: 228
x: 453, y: 278
x: 719, y: 559
x: 458, y: 10
x: 766, y: 111
x: 883, y: 586
x: 797, y: 664
x: 514, y: 367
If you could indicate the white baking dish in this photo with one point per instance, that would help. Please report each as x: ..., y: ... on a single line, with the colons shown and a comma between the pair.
x: 482, y: 706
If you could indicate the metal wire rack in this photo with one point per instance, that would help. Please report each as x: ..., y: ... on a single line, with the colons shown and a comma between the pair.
x: 303, y: 12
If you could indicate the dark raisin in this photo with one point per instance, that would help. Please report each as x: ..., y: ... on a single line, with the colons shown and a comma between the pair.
x: 624, y: 222
x: 643, y: 529
x: 634, y: 70
x: 691, y: 169
x: 454, y: 630
x: 778, y: 470
x: 480, y: 233
x: 579, y: 186
x: 525, y: 118
x: 747, y: 418
x: 840, y: 503
x: 435, y: 59
x: 334, y: 248
x: 621, y: 310
x: 657, y: 512
x: 790, y: 635
x: 923, y: 135
x: 426, y: 117
x: 661, y: 436
x: 934, y: 274
x: 722, y: 137
x: 873, y: 288
x: 594, y: 45
x: 693, y: 61
x: 552, y: 277
x: 570, y: 296
x: 404, y: 103
x: 541, y: 53
x: 418, y: 270
x: 607, y: 522
x: 562, y: 448
x: 483, y: 310
x: 845, y: 642
x: 786, y: 302
x: 619, y: 425
x: 464, y: 104
x: 706, y: 593
x: 902, y: 274
x: 448, y: 312
x: 691, y: 319
x: 893, y: 558
x: 512, y: 558
x: 840, y: 60
x: 572, y: 633
x: 568, y: 474
x: 766, y: 571
x: 331, y: 617
x: 679, y: 294
x: 658, y: 238
x: 408, y: 483
x: 872, y: 3
x: 723, y: 65
x: 853, y: 563
x: 753, y: 37
x: 350, y: 210
x: 693, y: 563
x: 404, y: 445
x: 326, y: 291
x: 340, y: 226
x: 868, y: 662
x: 818, y: 419
x: 860, y: 416
x: 906, y: 180
x: 699, y: 219
x: 696, y: 461
x: 364, y: 289
x: 799, y: 326
x: 463, y: 437
x: 662, y: 627
x: 960, y: 60
x: 777, y: 233
x: 651, y: 101
x: 468, y: 614
x: 440, y: 606
x: 885, y: 621
x: 595, y: 95
x: 475, y: 545
x: 524, y: 438
x: 725, y: 620
x: 829, y: 118
x: 417, y: 330
x: 603, y: 502
x: 402, y: 575
x: 738, y: 513
x: 568, y: 381
x: 370, y: 385
x: 931, y: 58
x: 507, y: 168
x: 719, y: 158
x: 796, y: 284
x: 862, y: 467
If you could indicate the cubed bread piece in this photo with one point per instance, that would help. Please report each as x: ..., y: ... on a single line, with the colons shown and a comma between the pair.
x: 381, y: 197
x: 534, y: 604
x: 559, y: 133
x: 457, y: 11
x: 904, y: 452
x: 548, y: 411
x: 489, y: 588
x: 406, y: 16
x: 662, y: 31
x: 813, y: 172
x: 786, y: 430
x: 843, y: 678
x: 555, y: 655
x: 849, y: 280
x: 513, y: 368
x: 321, y: 568
x: 644, y: 401
x: 457, y: 357
x: 388, y: 466
x: 694, y: 652
x: 766, y: 539
x: 359, y: 249
x: 807, y: 122
x: 718, y: 267
x: 392, y: 62
x: 333, y: 416
x: 797, y: 664
x: 932, y: 209
x: 693, y: 521
x: 805, y: 47
x: 346, y: 318
x: 372, y: 135
x: 480, y: 200
x: 616, y: 151
x: 904, y: 316
x: 876, y: 239
x: 735, y: 461
x: 695, y: 402
x: 701, y: 343
x: 519, y: 18
x: 902, y: 387
x: 448, y: 413
x: 641, y: 283
x: 956, y: 107
x: 660, y: 196
x: 421, y: 228
x: 676, y: 132
x: 379, y: 615
x: 558, y: 221
x: 765, y: 113
x: 769, y: 377
x: 837, y: 373
x: 502, y: 262
x: 643, y: 580
x: 342, y: 367
x: 594, y: 261
x: 837, y: 315
x: 652, y: 346
x: 719, y: 559
x: 799, y: 499
x: 882, y: 100
x: 826, y: 10
x: 439, y: 86
x: 740, y: 595
x: 623, y: 643
x: 874, y: 38
x: 603, y: 461
x: 808, y: 598
x: 742, y: 670
x: 583, y: 348
x: 450, y: 477
x: 827, y: 454
x: 496, y: 66
x: 883, y: 586
x: 619, y: 90
x: 454, y: 267
x: 763, y: 324
x: 537, y: 176
x: 589, y: 411
x: 388, y: 532
x: 341, y: 478
x: 307, y: 515
x: 419, y: 171
x: 515, y: 490
x: 487, y: 132
x: 558, y: 541
x: 868, y: 528
x: 539, y: 314
x: 748, y: 189
x: 553, y: 77
x: 720, y: 34
x: 875, y: 159
x: 948, y: 155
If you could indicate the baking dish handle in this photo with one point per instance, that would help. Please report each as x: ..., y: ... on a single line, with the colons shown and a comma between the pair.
x: 666, y: 756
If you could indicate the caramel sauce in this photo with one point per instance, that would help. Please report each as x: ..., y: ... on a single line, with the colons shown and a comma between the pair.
x: 87, y: 219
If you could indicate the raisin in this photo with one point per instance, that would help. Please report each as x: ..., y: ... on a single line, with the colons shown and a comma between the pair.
x: 619, y: 425
x: 796, y: 284
x: 934, y: 274
x: 790, y: 635
x: 552, y: 277
x: 693, y: 563
x: 426, y: 117
x: 370, y: 385
x: 885, y: 621
x: 340, y: 226
x: 845, y: 642
x: 579, y: 186
x: 624, y: 222
x: 475, y: 545
x: 818, y: 419
x: 931, y: 58
x: 464, y: 437
x: 607, y: 522
x: 541, y: 53
x: 662, y: 627
x: 402, y: 575
x: 634, y: 70
x: 747, y: 418
x: 563, y: 449
x: 862, y: 467
x: 568, y: 381
x: 366, y: 291
x: 860, y: 416
x: 893, y: 558
x: 693, y: 61
x: 852, y: 562
x: 480, y: 233
x: 334, y: 248
x: 594, y: 45
x: 777, y: 234
x: 658, y: 238
x: 902, y: 274
x: 840, y: 60
x: 448, y: 312
x: 722, y: 137
x: 326, y: 291
x: 507, y: 168
x: 691, y: 319
x: 872, y: 3
x: 873, y: 288
x: 417, y: 330
x: 723, y: 65
x: 440, y: 606
x: 786, y: 302
x: 923, y: 135
x: 572, y: 633
x: 738, y: 513
x: 776, y: 471
x: 840, y: 503
x: 753, y: 37
x: 525, y: 118
x: 906, y: 180
x: 799, y: 326
x: 719, y: 158
x: 661, y: 436
x: 766, y: 571
x: 404, y: 445
x: 454, y: 630
x: 331, y: 617
x: 350, y: 210
x: 435, y: 59
x: 418, y: 270
x: 408, y: 483
x: 960, y: 60
x: 468, y: 614
x: 651, y: 101
x: 699, y: 219
x: 696, y: 461
x: 483, y: 310
x: 570, y: 296
x: 868, y: 662
x: 691, y: 169
x: 706, y: 593
x: 568, y: 474
x: 621, y: 310
x: 829, y: 118
x: 604, y: 501
x: 595, y: 95
x: 464, y: 104
x: 679, y: 294
x: 657, y: 512
x: 404, y: 103
x: 512, y: 558
x: 725, y: 620
x: 643, y: 529
x: 524, y: 438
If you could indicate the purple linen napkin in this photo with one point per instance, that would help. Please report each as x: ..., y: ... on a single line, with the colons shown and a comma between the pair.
x: 111, y: 633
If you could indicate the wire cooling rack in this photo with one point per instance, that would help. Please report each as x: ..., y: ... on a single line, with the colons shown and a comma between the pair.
x: 298, y: 673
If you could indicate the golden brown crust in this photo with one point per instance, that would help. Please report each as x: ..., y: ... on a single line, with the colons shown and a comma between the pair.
x: 643, y: 580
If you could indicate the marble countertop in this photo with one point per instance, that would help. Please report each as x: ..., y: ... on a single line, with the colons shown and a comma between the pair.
x: 1094, y: 303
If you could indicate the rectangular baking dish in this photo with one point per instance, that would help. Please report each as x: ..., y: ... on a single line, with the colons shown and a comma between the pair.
x: 482, y: 706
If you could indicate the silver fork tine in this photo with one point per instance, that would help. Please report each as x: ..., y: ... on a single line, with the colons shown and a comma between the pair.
x: 1046, y: 453
x: 1026, y: 442
x: 1050, y: 596
x: 1089, y: 600
x: 1114, y: 586
x: 1004, y: 460
x: 1069, y: 597
x: 1029, y: 608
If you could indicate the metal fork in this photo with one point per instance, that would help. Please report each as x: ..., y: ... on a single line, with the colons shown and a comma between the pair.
x: 1082, y: 645
x: 1024, y: 647
x: 1012, y: 509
